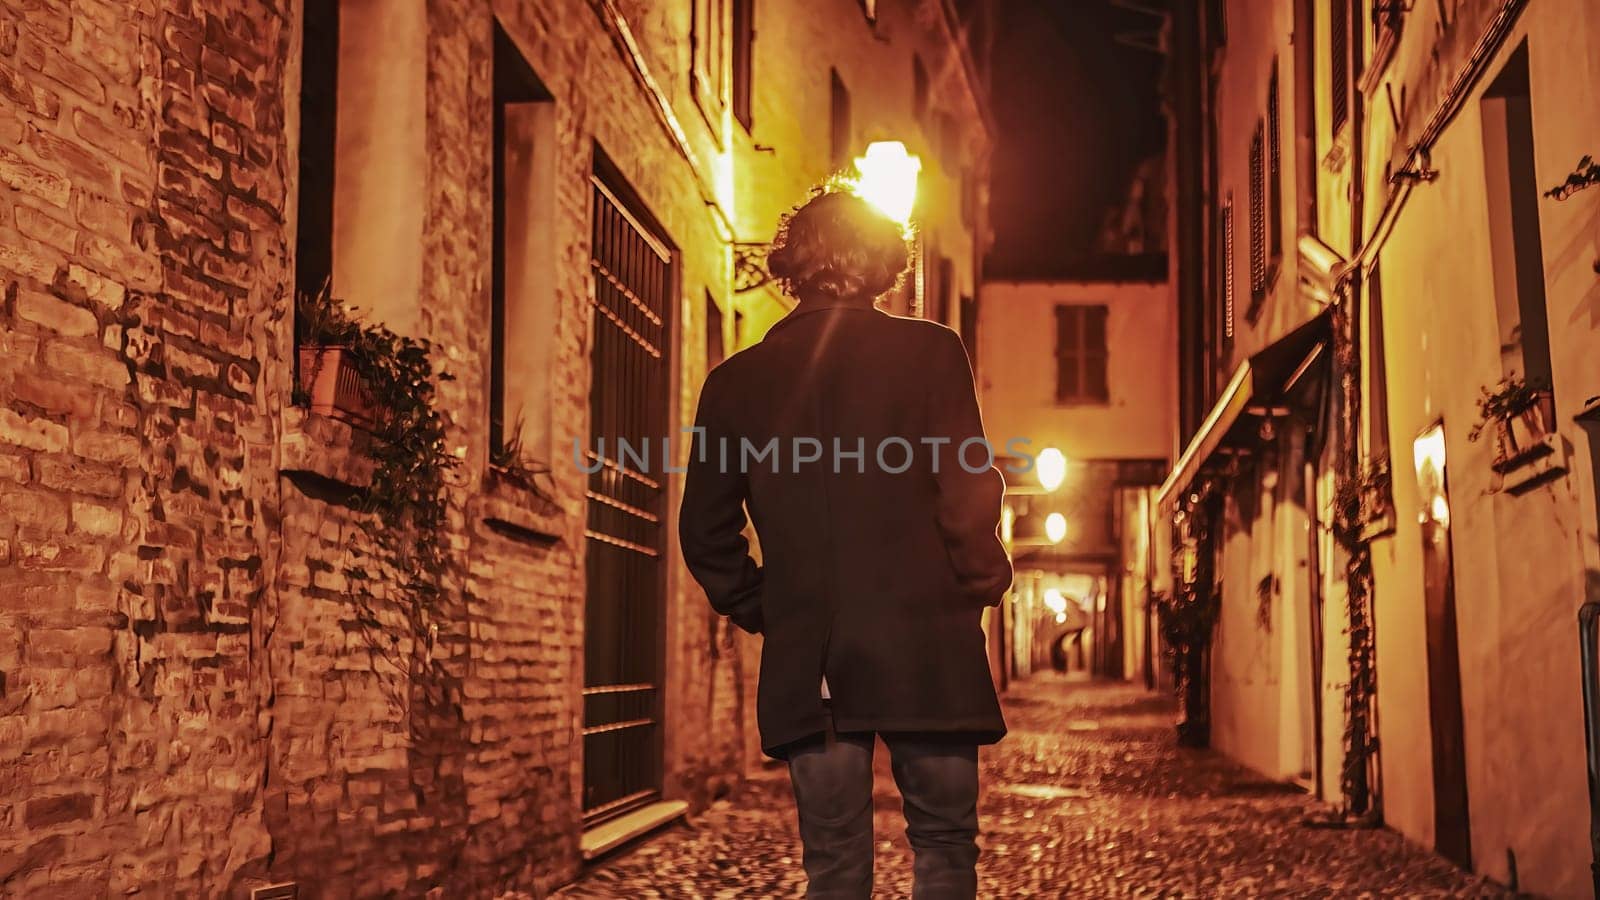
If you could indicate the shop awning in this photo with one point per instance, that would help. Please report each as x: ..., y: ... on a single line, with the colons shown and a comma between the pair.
x: 1270, y: 383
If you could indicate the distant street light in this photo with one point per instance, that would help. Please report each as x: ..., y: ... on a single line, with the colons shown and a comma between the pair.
x: 888, y: 179
x: 1055, y: 527
x: 1052, y: 467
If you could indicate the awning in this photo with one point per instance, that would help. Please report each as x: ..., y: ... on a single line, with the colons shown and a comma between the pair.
x: 1270, y: 383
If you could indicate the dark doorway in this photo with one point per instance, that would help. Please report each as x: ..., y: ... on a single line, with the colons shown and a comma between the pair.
x: 629, y: 399
x: 1452, y: 834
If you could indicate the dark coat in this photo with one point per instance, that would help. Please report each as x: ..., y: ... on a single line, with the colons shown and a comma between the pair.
x: 875, y: 579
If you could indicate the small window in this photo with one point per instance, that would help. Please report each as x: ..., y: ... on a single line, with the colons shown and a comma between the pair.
x: 716, y: 346
x: 839, y: 137
x: 919, y: 90
x: 939, y: 310
x: 969, y: 198
x: 949, y: 143
x: 744, y: 37
x: 1081, y: 355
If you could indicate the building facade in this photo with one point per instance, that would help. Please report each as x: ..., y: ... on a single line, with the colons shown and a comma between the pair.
x: 1084, y: 367
x: 201, y: 687
x: 1386, y: 285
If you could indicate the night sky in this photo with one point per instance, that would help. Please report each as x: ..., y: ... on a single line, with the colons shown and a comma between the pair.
x: 1077, y: 111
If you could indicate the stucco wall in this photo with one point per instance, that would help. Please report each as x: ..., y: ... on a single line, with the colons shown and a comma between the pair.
x: 1017, y: 358
x: 1519, y: 559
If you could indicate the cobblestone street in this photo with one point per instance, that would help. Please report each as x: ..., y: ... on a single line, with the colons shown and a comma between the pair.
x: 1087, y: 797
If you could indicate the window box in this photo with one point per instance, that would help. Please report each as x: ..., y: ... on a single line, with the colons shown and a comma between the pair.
x: 334, y: 388
x: 1522, y: 437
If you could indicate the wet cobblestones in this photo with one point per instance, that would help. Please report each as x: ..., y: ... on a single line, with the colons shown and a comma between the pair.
x: 1087, y: 797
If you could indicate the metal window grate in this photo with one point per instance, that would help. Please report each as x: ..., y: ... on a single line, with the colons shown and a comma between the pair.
x: 633, y: 284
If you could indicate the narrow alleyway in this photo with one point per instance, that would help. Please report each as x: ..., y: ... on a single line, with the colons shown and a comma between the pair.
x: 1087, y: 797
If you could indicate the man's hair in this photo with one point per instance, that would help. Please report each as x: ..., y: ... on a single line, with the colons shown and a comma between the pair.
x: 837, y: 245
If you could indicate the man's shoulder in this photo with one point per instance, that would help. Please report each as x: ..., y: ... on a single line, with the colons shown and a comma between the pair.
x: 926, y: 332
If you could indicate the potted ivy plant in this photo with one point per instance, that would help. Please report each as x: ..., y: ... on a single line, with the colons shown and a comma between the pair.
x: 1522, y: 414
x: 329, y: 381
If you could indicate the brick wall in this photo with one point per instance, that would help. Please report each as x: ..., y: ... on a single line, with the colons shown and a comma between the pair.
x: 189, y: 700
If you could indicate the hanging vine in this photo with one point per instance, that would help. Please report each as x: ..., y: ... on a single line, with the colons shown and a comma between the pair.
x: 1349, y: 521
x: 401, y: 560
x: 1189, y: 614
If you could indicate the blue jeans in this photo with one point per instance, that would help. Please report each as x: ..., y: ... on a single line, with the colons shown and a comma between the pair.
x: 938, y: 781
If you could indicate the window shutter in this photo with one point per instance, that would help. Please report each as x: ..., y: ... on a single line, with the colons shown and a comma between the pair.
x: 1258, y: 221
x: 1069, y: 383
x: 1275, y: 169
x: 1339, y: 57
x: 1082, y: 354
x: 744, y: 35
x: 1228, y: 290
x: 1095, y: 387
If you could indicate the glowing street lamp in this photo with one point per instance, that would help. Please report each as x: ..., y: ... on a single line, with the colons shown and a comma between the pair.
x: 1055, y: 527
x: 1051, y: 465
x: 888, y: 179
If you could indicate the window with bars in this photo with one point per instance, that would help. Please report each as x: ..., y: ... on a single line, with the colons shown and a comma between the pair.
x: 1339, y: 61
x: 744, y: 38
x: 839, y: 138
x: 1258, y: 220
x: 1081, y: 354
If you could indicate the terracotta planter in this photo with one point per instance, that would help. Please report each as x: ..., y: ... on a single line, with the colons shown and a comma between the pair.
x: 330, y: 379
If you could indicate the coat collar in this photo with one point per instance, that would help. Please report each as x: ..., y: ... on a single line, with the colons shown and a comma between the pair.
x: 807, y: 307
